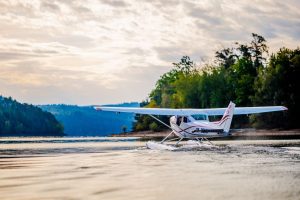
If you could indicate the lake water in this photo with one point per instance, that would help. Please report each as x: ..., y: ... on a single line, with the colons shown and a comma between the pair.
x: 114, y: 168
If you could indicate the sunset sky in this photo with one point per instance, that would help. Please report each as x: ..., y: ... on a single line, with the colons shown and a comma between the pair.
x: 106, y: 51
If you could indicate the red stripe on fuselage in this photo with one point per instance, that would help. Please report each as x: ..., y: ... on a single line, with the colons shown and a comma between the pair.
x: 222, y: 120
x: 184, y: 130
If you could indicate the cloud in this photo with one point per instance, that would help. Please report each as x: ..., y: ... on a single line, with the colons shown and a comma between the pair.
x: 49, y: 6
x: 80, y: 41
x: 103, y: 51
x: 205, y: 15
x: 18, y: 9
x: 114, y: 3
x: 15, y: 50
x: 13, y: 56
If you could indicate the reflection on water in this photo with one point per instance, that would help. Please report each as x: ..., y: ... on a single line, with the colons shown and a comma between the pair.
x: 64, y: 140
x: 126, y: 170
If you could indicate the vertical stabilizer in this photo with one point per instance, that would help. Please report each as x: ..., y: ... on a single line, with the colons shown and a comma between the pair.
x: 226, y: 120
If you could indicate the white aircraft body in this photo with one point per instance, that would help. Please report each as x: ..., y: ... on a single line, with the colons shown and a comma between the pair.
x: 194, y: 123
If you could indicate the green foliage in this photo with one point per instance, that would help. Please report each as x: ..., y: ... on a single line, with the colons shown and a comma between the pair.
x: 18, y: 119
x: 164, y: 88
x: 241, y: 75
x: 153, y: 126
x: 142, y: 122
x: 278, y: 84
x: 145, y: 122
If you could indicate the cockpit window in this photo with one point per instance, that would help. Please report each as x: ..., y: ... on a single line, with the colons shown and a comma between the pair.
x: 182, y: 119
x: 200, y: 117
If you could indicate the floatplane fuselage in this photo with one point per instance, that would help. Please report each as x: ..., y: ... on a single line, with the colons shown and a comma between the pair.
x: 198, y: 126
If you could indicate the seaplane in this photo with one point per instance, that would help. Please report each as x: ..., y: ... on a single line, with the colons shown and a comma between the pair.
x: 193, y: 124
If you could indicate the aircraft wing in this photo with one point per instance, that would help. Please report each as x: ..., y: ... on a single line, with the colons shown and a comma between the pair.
x: 208, y: 111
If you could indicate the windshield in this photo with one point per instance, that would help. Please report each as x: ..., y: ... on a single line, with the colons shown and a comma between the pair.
x: 200, y: 117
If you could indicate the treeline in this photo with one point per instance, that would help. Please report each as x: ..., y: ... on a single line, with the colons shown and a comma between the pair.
x: 18, y: 119
x: 244, y: 74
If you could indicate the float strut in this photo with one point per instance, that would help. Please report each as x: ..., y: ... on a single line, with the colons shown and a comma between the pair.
x: 166, y: 137
x: 178, y: 141
x: 208, y: 141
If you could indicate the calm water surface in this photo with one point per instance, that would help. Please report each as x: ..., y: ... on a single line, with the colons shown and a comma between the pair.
x: 113, y: 168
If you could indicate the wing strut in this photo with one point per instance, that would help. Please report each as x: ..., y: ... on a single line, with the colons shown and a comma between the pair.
x: 166, y: 126
x: 160, y: 121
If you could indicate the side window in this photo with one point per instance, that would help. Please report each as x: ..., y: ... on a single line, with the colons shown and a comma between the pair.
x: 185, y: 119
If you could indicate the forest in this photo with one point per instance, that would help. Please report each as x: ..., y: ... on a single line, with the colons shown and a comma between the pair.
x: 86, y: 121
x: 246, y: 74
x: 18, y: 119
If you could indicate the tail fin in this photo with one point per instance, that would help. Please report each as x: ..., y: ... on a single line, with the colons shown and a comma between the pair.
x: 225, y: 122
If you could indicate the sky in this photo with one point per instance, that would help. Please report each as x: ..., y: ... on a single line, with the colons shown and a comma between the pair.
x: 96, y: 52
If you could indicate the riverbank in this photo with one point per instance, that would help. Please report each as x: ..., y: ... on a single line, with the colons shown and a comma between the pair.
x: 247, y: 134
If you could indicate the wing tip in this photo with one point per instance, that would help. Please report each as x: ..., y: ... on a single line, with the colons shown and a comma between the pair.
x: 284, y: 108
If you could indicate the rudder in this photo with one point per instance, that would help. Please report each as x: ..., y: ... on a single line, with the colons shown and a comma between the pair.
x: 226, y: 120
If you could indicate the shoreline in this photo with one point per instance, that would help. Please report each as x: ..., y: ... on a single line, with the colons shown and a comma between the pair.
x: 236, y: 134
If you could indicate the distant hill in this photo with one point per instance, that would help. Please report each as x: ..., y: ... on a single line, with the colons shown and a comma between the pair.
x: 86, y: 121
x: 18, y: 119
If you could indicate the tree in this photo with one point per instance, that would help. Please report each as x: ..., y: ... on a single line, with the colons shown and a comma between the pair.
x: 226, y: 57
x: 241, y: 75
x: 258, y: 48
x: 18, y: 119
x: 185, y: 66
x: 153, y: 126
x: 164, y: 89
x: 124, y: 128
x: 278, y: 84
